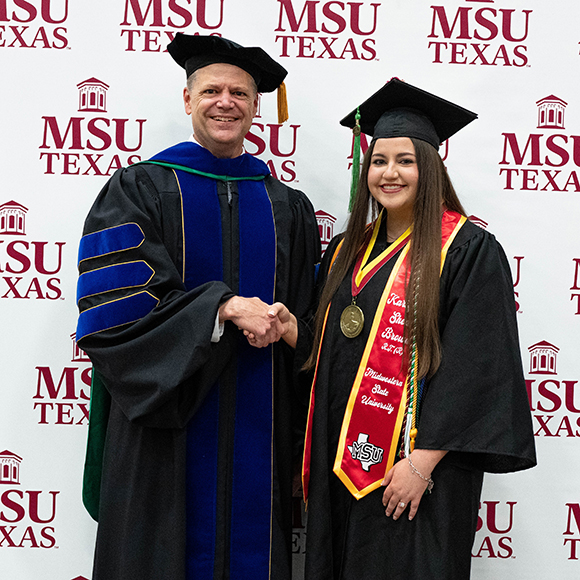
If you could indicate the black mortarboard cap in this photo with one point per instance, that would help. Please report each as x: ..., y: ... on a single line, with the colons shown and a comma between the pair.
x: 399, y: 109
x: 195, y: 52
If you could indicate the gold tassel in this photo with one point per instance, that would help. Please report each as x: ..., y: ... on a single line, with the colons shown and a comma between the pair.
x: 282, y: 104
x: 413, y: 437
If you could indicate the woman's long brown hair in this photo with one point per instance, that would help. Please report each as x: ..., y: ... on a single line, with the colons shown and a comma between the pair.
x: 434, y: 190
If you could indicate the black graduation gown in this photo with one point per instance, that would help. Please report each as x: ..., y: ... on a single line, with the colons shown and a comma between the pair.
x: 475, y: 406
x: 159, y: 369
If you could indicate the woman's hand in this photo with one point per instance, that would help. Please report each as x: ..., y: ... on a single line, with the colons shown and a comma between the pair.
x: 257, y: 319
x: 286, y: 322
x: 404, y: 487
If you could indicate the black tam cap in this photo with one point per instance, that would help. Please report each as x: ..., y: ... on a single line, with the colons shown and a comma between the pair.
x: 195, y: 52
x: 401, y: 110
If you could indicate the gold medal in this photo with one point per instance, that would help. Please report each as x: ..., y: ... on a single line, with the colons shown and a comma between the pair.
x: 352, y: 317
x: 352, y: 321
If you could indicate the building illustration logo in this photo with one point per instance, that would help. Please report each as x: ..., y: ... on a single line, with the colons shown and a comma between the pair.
x: 551, y: 112
x: 325, y: 227
x: 9, y: 468
x: 543, y: 358
x: 478, y: 221
x: 93, y: 96
x: 78, y: 355
x: 13, y: 218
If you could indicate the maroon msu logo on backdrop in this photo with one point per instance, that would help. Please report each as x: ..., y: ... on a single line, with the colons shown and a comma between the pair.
x: 275, y: 144
x: 517, y: 277
x: 33, y: 24
x: 480, y: 32
x: 575, y: 297
x: 555, y: 403
x: 572, y: 532
x: 150, y: 25
x: 544, y: 160
x: 29, y: 270
x: 62, y: 393
x: 329, y: 30
x: 495, y: 523
x: 93, y: 142
x: 27, y: 517
x: 518, y: 262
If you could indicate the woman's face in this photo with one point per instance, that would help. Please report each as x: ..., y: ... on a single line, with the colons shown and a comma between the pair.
x: 393, y: 176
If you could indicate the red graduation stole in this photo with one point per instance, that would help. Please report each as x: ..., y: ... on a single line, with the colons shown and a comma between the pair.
x: 374, y: 414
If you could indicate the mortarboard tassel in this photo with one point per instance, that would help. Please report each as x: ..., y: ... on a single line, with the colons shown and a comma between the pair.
x: 355, y: 159
x: 282, y: 103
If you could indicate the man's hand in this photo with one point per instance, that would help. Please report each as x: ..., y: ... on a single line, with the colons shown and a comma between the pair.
x: 253, y: 317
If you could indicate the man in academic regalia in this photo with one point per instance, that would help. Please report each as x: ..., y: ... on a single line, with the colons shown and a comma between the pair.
x: 189, y: 462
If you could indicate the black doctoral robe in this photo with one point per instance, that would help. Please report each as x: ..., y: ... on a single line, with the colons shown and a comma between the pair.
x: 475, y: 407
x: 159, y: 369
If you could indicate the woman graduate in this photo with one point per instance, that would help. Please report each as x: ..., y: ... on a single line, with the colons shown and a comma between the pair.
x: 418, y: 383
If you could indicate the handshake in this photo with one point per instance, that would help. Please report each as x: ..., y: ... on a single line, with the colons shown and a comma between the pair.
x: 261, y: 323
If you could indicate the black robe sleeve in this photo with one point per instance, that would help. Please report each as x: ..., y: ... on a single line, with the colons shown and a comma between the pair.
x: 476, y: 403
x: 148, y: 366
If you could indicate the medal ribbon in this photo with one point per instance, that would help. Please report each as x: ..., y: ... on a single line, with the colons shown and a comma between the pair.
x: 376, y: 406
x: 363, y: 270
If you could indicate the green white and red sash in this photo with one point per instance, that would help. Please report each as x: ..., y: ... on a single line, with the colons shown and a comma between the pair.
x: 374, y: 414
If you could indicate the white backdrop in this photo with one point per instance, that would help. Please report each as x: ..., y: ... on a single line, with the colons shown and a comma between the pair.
x: 514, y: 62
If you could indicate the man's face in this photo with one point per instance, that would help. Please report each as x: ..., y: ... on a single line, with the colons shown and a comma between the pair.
x: 222, y: 103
